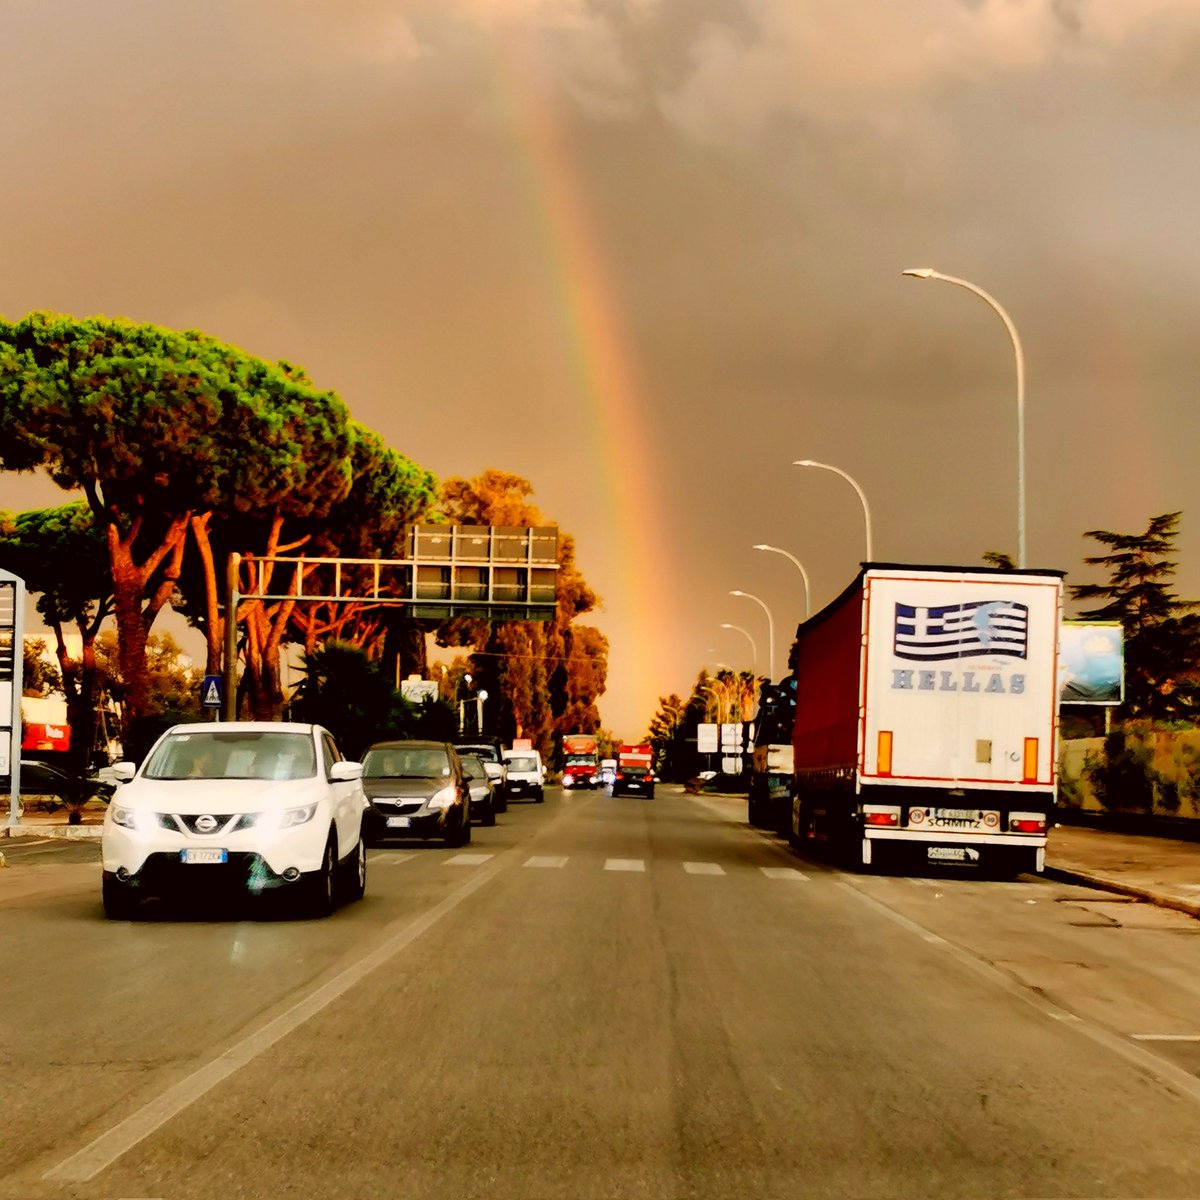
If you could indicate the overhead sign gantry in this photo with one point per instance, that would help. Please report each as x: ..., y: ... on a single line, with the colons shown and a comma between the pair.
x: 501, y: 572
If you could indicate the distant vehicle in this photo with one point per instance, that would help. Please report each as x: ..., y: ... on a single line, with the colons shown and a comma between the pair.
x: 416, y: 789
x: 926, y: 706
x: 492, y: 754
x: 47, y: 779
x: 608, y: 770
x: 242, y: 808
x: 769, y: 800
x: 635, y: 773
x: 581, y: 760
x: 483, y: 791
x: 526, y: 775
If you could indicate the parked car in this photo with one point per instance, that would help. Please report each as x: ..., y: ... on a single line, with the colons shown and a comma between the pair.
x: 241, y: 808
x: 526, y: 775
x: 493, y: 761
x: 416, y: 789
x: 69, y: 788
x: 483, y: 791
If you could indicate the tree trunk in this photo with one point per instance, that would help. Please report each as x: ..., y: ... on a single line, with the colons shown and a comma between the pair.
x: 131, y: 628
x: 214, y: 624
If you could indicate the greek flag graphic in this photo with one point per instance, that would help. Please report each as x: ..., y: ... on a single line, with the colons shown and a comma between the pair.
x: 980, y: 628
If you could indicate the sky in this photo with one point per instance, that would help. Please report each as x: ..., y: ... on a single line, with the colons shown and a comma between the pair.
x: 647, y: 253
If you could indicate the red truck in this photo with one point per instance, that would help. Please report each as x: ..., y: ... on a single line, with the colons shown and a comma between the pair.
x: 926, y: 706
x: 581, y: 760
x: 635, y: 771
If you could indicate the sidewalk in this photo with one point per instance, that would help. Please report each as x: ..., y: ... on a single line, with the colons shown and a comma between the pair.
x: 1160, y: 870
x: 52, y: 825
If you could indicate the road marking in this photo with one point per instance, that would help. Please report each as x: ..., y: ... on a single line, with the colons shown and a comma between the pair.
x: 106, y: 1148
x: 703, y: 868
x: 783, y: 873
x: 1152, y: 1064
x: 39, y: 842
x: 546, y: 860
x: 1165, y: 1037
x: 390, y: 858
x: 467, y: 860
x: 624, y: 864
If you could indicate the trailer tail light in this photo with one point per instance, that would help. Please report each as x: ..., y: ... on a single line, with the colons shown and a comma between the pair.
x: 879, y: 814
x: 884, y: 753
x: 647, y: 778
x: 1029, y: 772
x: 1025, y: 822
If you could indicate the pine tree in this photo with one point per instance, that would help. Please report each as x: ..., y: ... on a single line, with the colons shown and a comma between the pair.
x: 1162, y: 632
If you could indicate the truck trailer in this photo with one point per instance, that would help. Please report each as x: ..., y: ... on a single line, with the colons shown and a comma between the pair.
x: 926, y: 718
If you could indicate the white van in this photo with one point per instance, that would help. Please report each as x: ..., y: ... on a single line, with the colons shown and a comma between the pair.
x: 526, y: 774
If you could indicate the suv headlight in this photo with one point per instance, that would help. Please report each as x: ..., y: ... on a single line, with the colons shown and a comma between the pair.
x: 444, y: 798
x: 130, y: 818
x: 277, y: 822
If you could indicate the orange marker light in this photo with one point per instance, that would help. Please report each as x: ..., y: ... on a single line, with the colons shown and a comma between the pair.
x: 1030, y: 773
x: 884, y: 766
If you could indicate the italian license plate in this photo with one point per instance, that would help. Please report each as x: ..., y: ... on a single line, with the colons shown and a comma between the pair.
x: 203, y: 856
x: 399, y: 822
x: 964, y: 818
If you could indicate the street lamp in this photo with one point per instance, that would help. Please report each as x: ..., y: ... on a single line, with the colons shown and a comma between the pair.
x: 799, y: 567
x: 770, y: 629
x: 750, y: 639
x: 808, y: 462
x: 930, y: 273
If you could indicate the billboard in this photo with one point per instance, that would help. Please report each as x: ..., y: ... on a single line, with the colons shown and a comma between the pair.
x: 1091, y: 663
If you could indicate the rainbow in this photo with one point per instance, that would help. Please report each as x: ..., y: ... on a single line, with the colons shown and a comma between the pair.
x: 605, y: 374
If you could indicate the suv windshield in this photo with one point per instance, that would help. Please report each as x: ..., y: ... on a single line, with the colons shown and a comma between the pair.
x: 522, y: 764
x: 405, y: 762
x: 233, y: 755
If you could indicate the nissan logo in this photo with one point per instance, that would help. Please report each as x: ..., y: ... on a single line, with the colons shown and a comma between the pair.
x: 206, y: 823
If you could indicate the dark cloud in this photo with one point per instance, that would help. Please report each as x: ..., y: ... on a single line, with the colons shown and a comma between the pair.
x: 352, y: 186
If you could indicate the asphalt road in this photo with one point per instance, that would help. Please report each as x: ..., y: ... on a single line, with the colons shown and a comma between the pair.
x: 600, y: 998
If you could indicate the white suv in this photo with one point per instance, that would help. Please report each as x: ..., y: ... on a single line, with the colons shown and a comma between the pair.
x: 238, y: 808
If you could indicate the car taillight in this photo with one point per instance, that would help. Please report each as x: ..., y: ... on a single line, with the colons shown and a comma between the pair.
x: 647, y: 778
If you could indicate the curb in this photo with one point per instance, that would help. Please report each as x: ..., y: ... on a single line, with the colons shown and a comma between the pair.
x: 72, y: 833
x: 1065, y: 875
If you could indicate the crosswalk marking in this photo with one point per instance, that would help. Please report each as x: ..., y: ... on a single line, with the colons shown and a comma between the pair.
x: 624, y: 864
x: 467, y: 860
x: 390, y: 858
x: 703, y: 868
x: 782, y: 873
x: 546, y: 860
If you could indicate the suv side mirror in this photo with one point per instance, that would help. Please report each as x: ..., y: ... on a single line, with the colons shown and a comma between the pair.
x: 343, y: 772
x: 123, y: 772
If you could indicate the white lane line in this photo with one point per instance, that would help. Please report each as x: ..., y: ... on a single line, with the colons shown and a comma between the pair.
x: 546, y: 860
x: 468, y: 860
x: 703, y: 868
x: 1152, y: 1064
x: 624, y: 864
x: 105, y: 1149
x: 783, y: 873
x: 39, y: 842
x: 390, y: 858
x: 1165, y: 1037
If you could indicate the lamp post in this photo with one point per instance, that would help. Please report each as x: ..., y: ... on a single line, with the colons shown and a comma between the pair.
x: 750, y: 639
x: 995, y: 305
x: 770, y: 628
x: 808, y: 462
x: 799, y: 567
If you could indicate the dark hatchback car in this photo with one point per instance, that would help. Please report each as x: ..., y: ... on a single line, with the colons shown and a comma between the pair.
x: 415, y: 789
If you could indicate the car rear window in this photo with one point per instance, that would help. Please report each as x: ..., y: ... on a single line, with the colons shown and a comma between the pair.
x: 233, y: 755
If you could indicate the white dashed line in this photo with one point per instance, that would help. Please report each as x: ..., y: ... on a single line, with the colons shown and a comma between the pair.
x: 546, y: 860
x: 1165, y: 1037
x: 624, y: 864
x: 390, y: 858
x: 783, y: 873
x: 467, y: 860
x: 703, y: 868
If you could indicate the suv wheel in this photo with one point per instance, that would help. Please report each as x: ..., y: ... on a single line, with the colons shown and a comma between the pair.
x: 321, y: 885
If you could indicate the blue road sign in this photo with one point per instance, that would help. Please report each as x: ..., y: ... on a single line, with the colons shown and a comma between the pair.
x: 210, y: 691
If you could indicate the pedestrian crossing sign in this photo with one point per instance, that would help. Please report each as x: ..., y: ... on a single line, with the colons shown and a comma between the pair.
x: 210, y: 691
